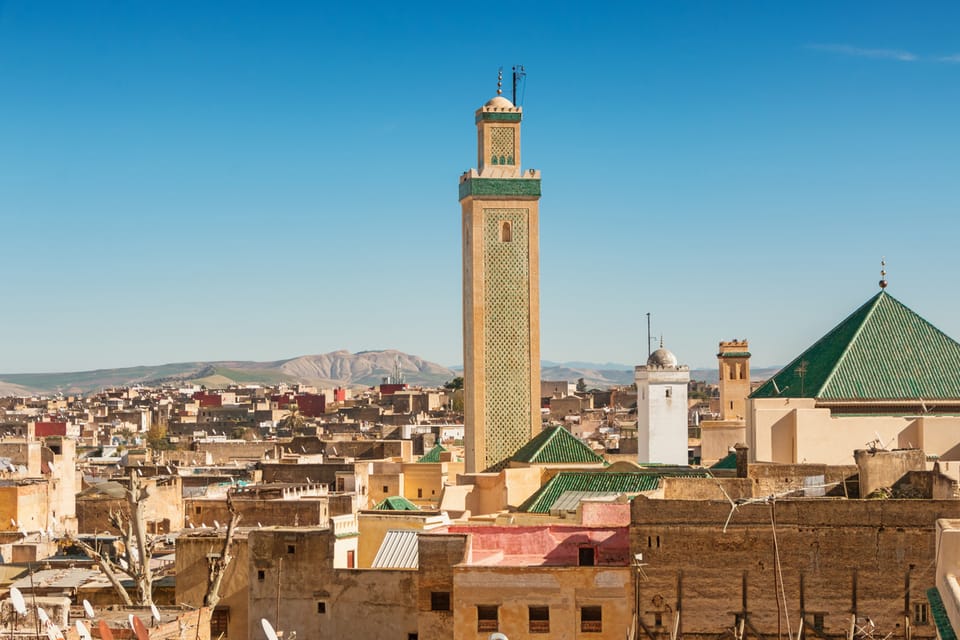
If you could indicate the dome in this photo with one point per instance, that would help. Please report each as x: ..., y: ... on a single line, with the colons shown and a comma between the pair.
x: 499, y: 102
x: 662, y: 358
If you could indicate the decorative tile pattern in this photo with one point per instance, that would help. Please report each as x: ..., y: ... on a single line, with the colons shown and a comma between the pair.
x: 502, y: 145
x: 506, y: 334
x: 516, y: 187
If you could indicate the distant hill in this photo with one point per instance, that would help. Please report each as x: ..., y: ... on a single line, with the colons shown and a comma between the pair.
x: 338, y: 368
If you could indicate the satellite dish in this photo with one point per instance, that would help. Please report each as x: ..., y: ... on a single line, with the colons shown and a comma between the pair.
x: 497, y: 636
x: 42, y: 615
x: 130, y: 618
x: 155, y: 613
x: 123, y: 563
x: 216, y: 525
x: 13, y: 523
x: 191, y: 526
x: 52, y: 467
x: 140, y: 629
x: 268, y: 629
x: 88, y: 609
x: 52, y: 632
x: 105, y: 633
x: 82, y: 630
x: 19, y: 605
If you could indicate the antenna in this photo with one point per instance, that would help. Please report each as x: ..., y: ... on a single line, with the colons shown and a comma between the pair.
x: 648, y: 336
x: 519, y: 76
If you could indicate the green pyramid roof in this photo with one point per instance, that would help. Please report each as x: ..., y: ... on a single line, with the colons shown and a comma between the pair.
x: 396, y: 503
x: 881, y: 351
x: 555, y: 445
x: 433, y: 455
x: 727, y: 462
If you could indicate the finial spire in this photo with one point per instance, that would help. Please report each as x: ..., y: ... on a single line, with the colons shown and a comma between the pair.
x: 883, y: 273
x: 500, y: 81
x: 661, y: 341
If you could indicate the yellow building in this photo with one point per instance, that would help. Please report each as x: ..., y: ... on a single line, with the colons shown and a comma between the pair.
x: 501, y: 292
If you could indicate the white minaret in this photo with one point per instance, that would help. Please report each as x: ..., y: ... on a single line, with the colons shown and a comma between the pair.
x: 662, y: 409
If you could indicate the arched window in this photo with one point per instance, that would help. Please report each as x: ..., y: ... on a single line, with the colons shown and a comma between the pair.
x: 506, y: 232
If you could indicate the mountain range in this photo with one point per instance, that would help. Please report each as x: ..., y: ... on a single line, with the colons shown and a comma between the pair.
x: 338, y: 368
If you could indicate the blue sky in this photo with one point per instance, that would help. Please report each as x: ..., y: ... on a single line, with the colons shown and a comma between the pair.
x: 241, y: 180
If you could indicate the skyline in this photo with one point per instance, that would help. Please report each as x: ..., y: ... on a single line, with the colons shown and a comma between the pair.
x: 241, y: 182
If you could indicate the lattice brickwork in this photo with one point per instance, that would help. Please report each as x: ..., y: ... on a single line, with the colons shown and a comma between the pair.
x: 502, y: 144
x: 506, y: 332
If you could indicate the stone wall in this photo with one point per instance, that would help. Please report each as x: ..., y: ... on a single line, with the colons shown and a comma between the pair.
x: 834, y: 556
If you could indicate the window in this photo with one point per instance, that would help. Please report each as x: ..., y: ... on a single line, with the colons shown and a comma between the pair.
x: 586, y: 556
x: 539, y: 619
x: 351, y: 559
x: 439, y: 601
x: 506, y: 232
x: 669, y: 392
x: 419, y: 493
x: 386, y: 489
x: 591, y: 619
x: 321, y: 607
x: 260, y: 575
x: 487, y: 617
x: 291, y: 549
x: 818, y: 622
x: 921, y: 613
x: 658, y: 620
x: 218, y: 622
x: 731, y: 404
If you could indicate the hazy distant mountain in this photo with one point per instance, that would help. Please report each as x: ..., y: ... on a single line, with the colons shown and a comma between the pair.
x: 338, y: 368
x: 329, y: 369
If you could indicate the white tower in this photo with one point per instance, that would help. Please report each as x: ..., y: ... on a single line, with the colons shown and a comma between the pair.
x: 662, y: 409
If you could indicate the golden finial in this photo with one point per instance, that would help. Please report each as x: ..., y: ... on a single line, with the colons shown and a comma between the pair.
x: 500, y: 81
x: 883, y: 273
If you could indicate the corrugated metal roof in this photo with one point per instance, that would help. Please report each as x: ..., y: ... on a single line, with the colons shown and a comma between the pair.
x: 399, y: 550
x: 882, y: 351
x: 555, y: 445
x: 570, y: 500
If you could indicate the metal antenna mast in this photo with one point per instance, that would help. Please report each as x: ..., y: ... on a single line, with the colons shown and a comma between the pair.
x: 519, y: 74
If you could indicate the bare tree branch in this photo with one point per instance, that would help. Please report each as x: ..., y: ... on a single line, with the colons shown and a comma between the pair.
x: 218, y: 563
x: 107, y: 567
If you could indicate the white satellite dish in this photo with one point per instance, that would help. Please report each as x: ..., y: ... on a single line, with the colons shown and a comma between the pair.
x: 52, y: 632
x: 130, y: 621
x: 216, y: 525
x: 191, y: 526
x: 268, y: 629
x: 134, y: 553
x: 497, y: 636
x: 52, y: 466
x: 123, y: 563
x: 42, y: 615
x: 155, y: 613
x: 82, y: 630
x: 19, y: 605
x: 13, y: 523
x: 88, y: 609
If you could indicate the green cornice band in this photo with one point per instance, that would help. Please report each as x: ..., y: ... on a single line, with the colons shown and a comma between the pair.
x: 517, y: 187
x: 491, y: 116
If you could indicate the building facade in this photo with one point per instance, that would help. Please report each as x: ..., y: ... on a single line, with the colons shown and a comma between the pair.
x: 501, y: 292
x: 662, y: 409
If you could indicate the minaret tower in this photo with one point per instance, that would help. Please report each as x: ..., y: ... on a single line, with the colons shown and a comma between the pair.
x: 501, y: 292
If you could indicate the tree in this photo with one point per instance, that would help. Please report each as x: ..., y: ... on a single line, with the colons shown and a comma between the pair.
x: 293, y: 420
x: 135, y: 549
x: 456, y: 383
x: 218, y: 563
x: 581, y: 385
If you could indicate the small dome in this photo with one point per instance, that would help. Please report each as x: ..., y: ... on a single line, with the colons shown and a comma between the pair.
x: 662, y: 358
x: 500, y: 102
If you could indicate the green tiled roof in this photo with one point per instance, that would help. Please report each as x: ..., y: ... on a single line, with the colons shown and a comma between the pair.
x: 597, y: 481
x: 396, y: 503
x: 555, y: 445
x: 433, y: 455
x: 882, y: 351
x: 939, y: 613
x: 728, y: 462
